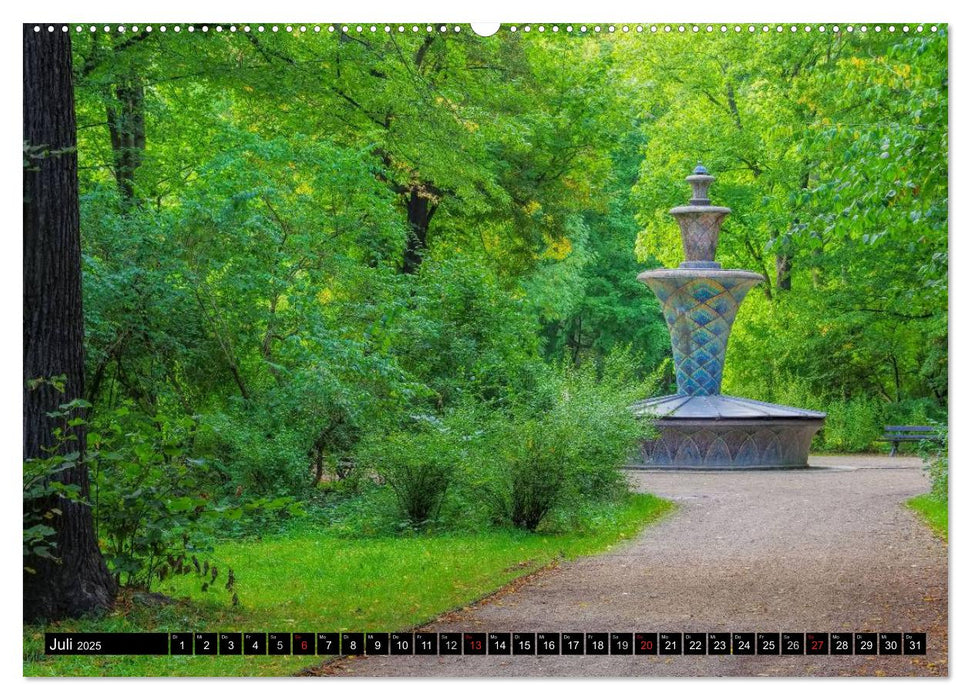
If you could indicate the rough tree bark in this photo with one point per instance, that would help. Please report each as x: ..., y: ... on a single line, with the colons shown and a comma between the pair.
x: 783, y: 261
x: 53, y: 324
x: 783, y: 272
x: 421, y: 209
x: 126, y: 126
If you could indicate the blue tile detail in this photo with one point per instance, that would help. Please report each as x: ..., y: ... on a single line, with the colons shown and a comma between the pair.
x: 699, y: 312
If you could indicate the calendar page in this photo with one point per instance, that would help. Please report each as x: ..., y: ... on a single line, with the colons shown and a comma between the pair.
x: 539, y: 349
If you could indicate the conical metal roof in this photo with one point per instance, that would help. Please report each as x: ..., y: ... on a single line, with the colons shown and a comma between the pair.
x: 718, y: 407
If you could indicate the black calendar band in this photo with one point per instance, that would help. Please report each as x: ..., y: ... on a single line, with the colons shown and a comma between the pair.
x: 93, y: 643
x: 486, y: 643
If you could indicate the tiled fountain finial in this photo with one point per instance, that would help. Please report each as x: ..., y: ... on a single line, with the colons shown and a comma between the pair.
x: 700, y: 181
x: 700, y: 222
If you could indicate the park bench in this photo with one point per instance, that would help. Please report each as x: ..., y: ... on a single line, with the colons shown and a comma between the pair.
x: 896, y: 434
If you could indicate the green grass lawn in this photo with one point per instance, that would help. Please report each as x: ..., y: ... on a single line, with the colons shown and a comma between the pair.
x: 933, y: 510
x: 313, y: 582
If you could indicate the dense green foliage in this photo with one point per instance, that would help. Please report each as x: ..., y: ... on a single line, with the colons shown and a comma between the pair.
x: 392, y: 276
x: 936, y: 460
x: 933, y: 506
x: 831, y: 150
x: 42, y: 480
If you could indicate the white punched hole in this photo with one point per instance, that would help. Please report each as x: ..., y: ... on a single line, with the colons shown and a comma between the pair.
x: 485, y: 28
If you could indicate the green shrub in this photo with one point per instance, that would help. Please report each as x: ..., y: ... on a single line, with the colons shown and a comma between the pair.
x: 157, y: 509
x: 569, y: 447
x: 935, y: 459
x: 476, y: 464
x: 419, y: 465
x: 853, y: 425
x: 148, y: 495
x: 293, y: 433
x: 537, y: 468
x: 257, y: 451
x: 44, y: 493
x: 371, y: 510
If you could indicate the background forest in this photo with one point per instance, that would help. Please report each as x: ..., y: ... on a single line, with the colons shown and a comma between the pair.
x: 388, y: 278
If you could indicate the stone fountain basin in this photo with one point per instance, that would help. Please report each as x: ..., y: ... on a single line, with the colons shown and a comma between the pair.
x: 726, y: 432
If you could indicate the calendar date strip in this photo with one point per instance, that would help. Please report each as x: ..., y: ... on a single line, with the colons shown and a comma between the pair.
x: 486, y: 643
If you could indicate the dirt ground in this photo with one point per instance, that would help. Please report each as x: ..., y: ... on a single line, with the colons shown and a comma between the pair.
x: 825, y: 549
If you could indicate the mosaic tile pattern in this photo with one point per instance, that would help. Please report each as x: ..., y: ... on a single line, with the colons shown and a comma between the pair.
x: 734, y: 445
x: 699, y: 311
x: 699, y: 230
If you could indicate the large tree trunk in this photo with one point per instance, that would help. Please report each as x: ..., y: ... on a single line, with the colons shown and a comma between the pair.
x: 126, y: 126
x: 421, y: 209
x: 53, y: 324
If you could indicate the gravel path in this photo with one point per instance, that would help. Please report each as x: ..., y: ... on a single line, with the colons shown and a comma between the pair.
x: 825, y: 549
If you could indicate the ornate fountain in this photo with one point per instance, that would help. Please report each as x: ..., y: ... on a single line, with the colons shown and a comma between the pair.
x: 699, y: 427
